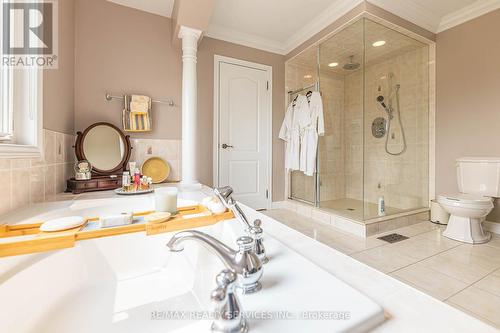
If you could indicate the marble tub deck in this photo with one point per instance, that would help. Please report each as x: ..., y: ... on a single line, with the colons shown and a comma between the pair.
x: 464, y: 276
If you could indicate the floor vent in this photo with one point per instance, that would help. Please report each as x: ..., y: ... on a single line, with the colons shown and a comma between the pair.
x: 393, y: 238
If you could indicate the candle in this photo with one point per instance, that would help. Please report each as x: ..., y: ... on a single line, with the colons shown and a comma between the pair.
x: 166, y: 199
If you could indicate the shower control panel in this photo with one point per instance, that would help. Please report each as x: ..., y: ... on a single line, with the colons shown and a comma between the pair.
x: 379, y: 127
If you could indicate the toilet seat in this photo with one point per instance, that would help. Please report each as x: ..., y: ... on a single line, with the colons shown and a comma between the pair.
x: 465, y: 200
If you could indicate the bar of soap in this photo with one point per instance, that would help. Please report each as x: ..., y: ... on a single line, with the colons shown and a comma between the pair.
x: 115, y: 220
x: 157, y: 217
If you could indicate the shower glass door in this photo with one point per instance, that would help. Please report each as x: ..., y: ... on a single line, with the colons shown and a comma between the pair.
x: 396, y: 121
x: 341, y: 64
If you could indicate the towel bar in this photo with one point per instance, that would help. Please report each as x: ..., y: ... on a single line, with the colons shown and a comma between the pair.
x: 110, y: 97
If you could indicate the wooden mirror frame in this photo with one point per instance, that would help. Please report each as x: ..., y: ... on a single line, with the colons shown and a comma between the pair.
x: 80, y: 155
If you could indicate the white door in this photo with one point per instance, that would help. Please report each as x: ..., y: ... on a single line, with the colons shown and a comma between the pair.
x: 243, y: 136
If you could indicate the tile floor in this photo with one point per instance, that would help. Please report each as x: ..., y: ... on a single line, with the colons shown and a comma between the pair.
x: 462, y: 275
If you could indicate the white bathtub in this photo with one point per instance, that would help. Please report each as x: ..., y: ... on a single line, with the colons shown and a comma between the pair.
x: 129, y: 283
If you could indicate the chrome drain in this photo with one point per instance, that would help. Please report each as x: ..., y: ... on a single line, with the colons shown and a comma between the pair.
x: 392, y: 238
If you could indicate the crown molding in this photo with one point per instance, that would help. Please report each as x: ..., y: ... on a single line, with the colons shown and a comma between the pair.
x: 411, y: 11
x: 165, y: 11
x: 242, y: 38
x: 335, y: 11
x: 468, y: 13
x: 408, y: 10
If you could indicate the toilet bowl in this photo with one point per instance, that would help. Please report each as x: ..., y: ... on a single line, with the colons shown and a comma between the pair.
x: 478, y: 180
x: 467, y: 213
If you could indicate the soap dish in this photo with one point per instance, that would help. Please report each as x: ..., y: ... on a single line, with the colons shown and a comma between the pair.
x: 63, y: 223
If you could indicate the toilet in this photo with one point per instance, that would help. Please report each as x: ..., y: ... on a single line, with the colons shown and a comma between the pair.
x: 478, y: 182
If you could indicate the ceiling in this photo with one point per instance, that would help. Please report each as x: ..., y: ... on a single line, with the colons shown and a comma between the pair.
x: 281, y: 25
x: 159, y: 7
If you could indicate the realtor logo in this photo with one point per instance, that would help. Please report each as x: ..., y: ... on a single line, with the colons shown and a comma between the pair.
x: 29, y: 33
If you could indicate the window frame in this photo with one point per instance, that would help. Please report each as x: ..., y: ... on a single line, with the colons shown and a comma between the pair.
x: 25, y: 116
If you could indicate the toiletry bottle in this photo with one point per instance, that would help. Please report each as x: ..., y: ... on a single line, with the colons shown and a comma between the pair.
x: 381, y: 206
x: 126, y: 180
x: 137, y: 179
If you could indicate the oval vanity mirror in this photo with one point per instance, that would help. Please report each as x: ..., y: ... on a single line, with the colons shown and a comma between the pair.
x: 105, y: 147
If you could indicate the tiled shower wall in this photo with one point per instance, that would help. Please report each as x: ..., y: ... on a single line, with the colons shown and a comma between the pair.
x: 29, y: 181
x: 402, y: 180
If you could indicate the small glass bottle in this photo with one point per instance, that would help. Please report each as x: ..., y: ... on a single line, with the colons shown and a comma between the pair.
x: 137, y: 179
x: 126, y: 181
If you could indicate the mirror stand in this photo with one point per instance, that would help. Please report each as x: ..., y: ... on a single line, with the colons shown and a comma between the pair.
x: 108, y: 150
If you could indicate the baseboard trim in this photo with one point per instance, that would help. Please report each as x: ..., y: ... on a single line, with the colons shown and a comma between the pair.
x: 493, y: 227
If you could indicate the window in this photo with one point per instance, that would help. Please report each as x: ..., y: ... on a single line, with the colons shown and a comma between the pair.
x: 6, y: 114
x: 20, y: 109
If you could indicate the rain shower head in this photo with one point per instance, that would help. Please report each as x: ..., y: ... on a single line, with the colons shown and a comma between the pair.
x: 351, y: 65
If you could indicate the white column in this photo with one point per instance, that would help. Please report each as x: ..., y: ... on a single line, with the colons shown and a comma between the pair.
x: 189, y: 105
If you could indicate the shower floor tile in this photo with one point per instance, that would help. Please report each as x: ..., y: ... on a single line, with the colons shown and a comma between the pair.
x: 353, y: 209
x: 462, y: 275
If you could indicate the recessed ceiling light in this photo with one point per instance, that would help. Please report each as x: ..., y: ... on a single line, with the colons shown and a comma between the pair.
x: 333, y: 64
x: 308, y: 76
x: 379, y: 43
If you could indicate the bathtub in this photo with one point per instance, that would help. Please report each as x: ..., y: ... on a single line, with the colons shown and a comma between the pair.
x: 132, y: 283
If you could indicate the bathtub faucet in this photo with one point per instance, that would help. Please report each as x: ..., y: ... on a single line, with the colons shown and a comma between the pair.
x: 255, y: 231
x: 228, y: 318
x: 244, y: 262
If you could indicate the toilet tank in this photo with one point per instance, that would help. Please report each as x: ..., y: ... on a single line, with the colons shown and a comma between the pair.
x: 479, y: 175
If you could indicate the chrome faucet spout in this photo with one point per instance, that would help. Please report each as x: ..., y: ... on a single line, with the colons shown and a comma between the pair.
x: 225, y: 253
x: 244, y: 262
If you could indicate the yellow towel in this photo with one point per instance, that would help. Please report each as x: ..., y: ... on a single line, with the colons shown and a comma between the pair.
x: 140, y: 104
x: 136, y: 114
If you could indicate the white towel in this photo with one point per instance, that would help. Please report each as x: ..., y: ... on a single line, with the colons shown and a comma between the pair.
x: 140, y: 104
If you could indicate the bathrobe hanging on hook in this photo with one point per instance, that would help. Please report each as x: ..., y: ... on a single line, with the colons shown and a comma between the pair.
x: 296, y: 119
x: 309, y: 140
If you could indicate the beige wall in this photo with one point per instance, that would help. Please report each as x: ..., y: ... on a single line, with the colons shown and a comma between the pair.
x: 58, y: 84
x: 206, y: 51
x: 123, y: 50
x: 468, y: 96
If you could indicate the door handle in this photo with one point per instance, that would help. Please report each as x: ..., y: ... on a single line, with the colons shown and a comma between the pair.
x: 225, y: 146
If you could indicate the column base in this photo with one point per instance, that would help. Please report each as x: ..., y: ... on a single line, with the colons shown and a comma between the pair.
x: 188, y: 186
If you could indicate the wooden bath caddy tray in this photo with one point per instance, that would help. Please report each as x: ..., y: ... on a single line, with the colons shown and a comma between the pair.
x: 187, y: 218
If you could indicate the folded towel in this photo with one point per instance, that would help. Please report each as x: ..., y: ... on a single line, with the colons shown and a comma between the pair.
x: 140, y: 104
x: 136, y: 122
x: 137, y: 114
x: 139, y: 108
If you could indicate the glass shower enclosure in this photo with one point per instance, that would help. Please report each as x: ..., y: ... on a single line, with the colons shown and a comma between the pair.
x: 374, y: 83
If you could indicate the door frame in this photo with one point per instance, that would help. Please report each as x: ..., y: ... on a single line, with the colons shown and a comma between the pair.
x: 218, y: 59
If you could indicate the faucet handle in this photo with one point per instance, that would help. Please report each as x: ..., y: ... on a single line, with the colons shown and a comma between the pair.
x: 227, y: 307
x: 245, y: 243
x: 225, y: 281
x: 225, y: 278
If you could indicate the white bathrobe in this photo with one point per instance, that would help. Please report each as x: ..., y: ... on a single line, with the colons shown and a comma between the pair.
x: 315, y: 127
x: 296, y: 119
